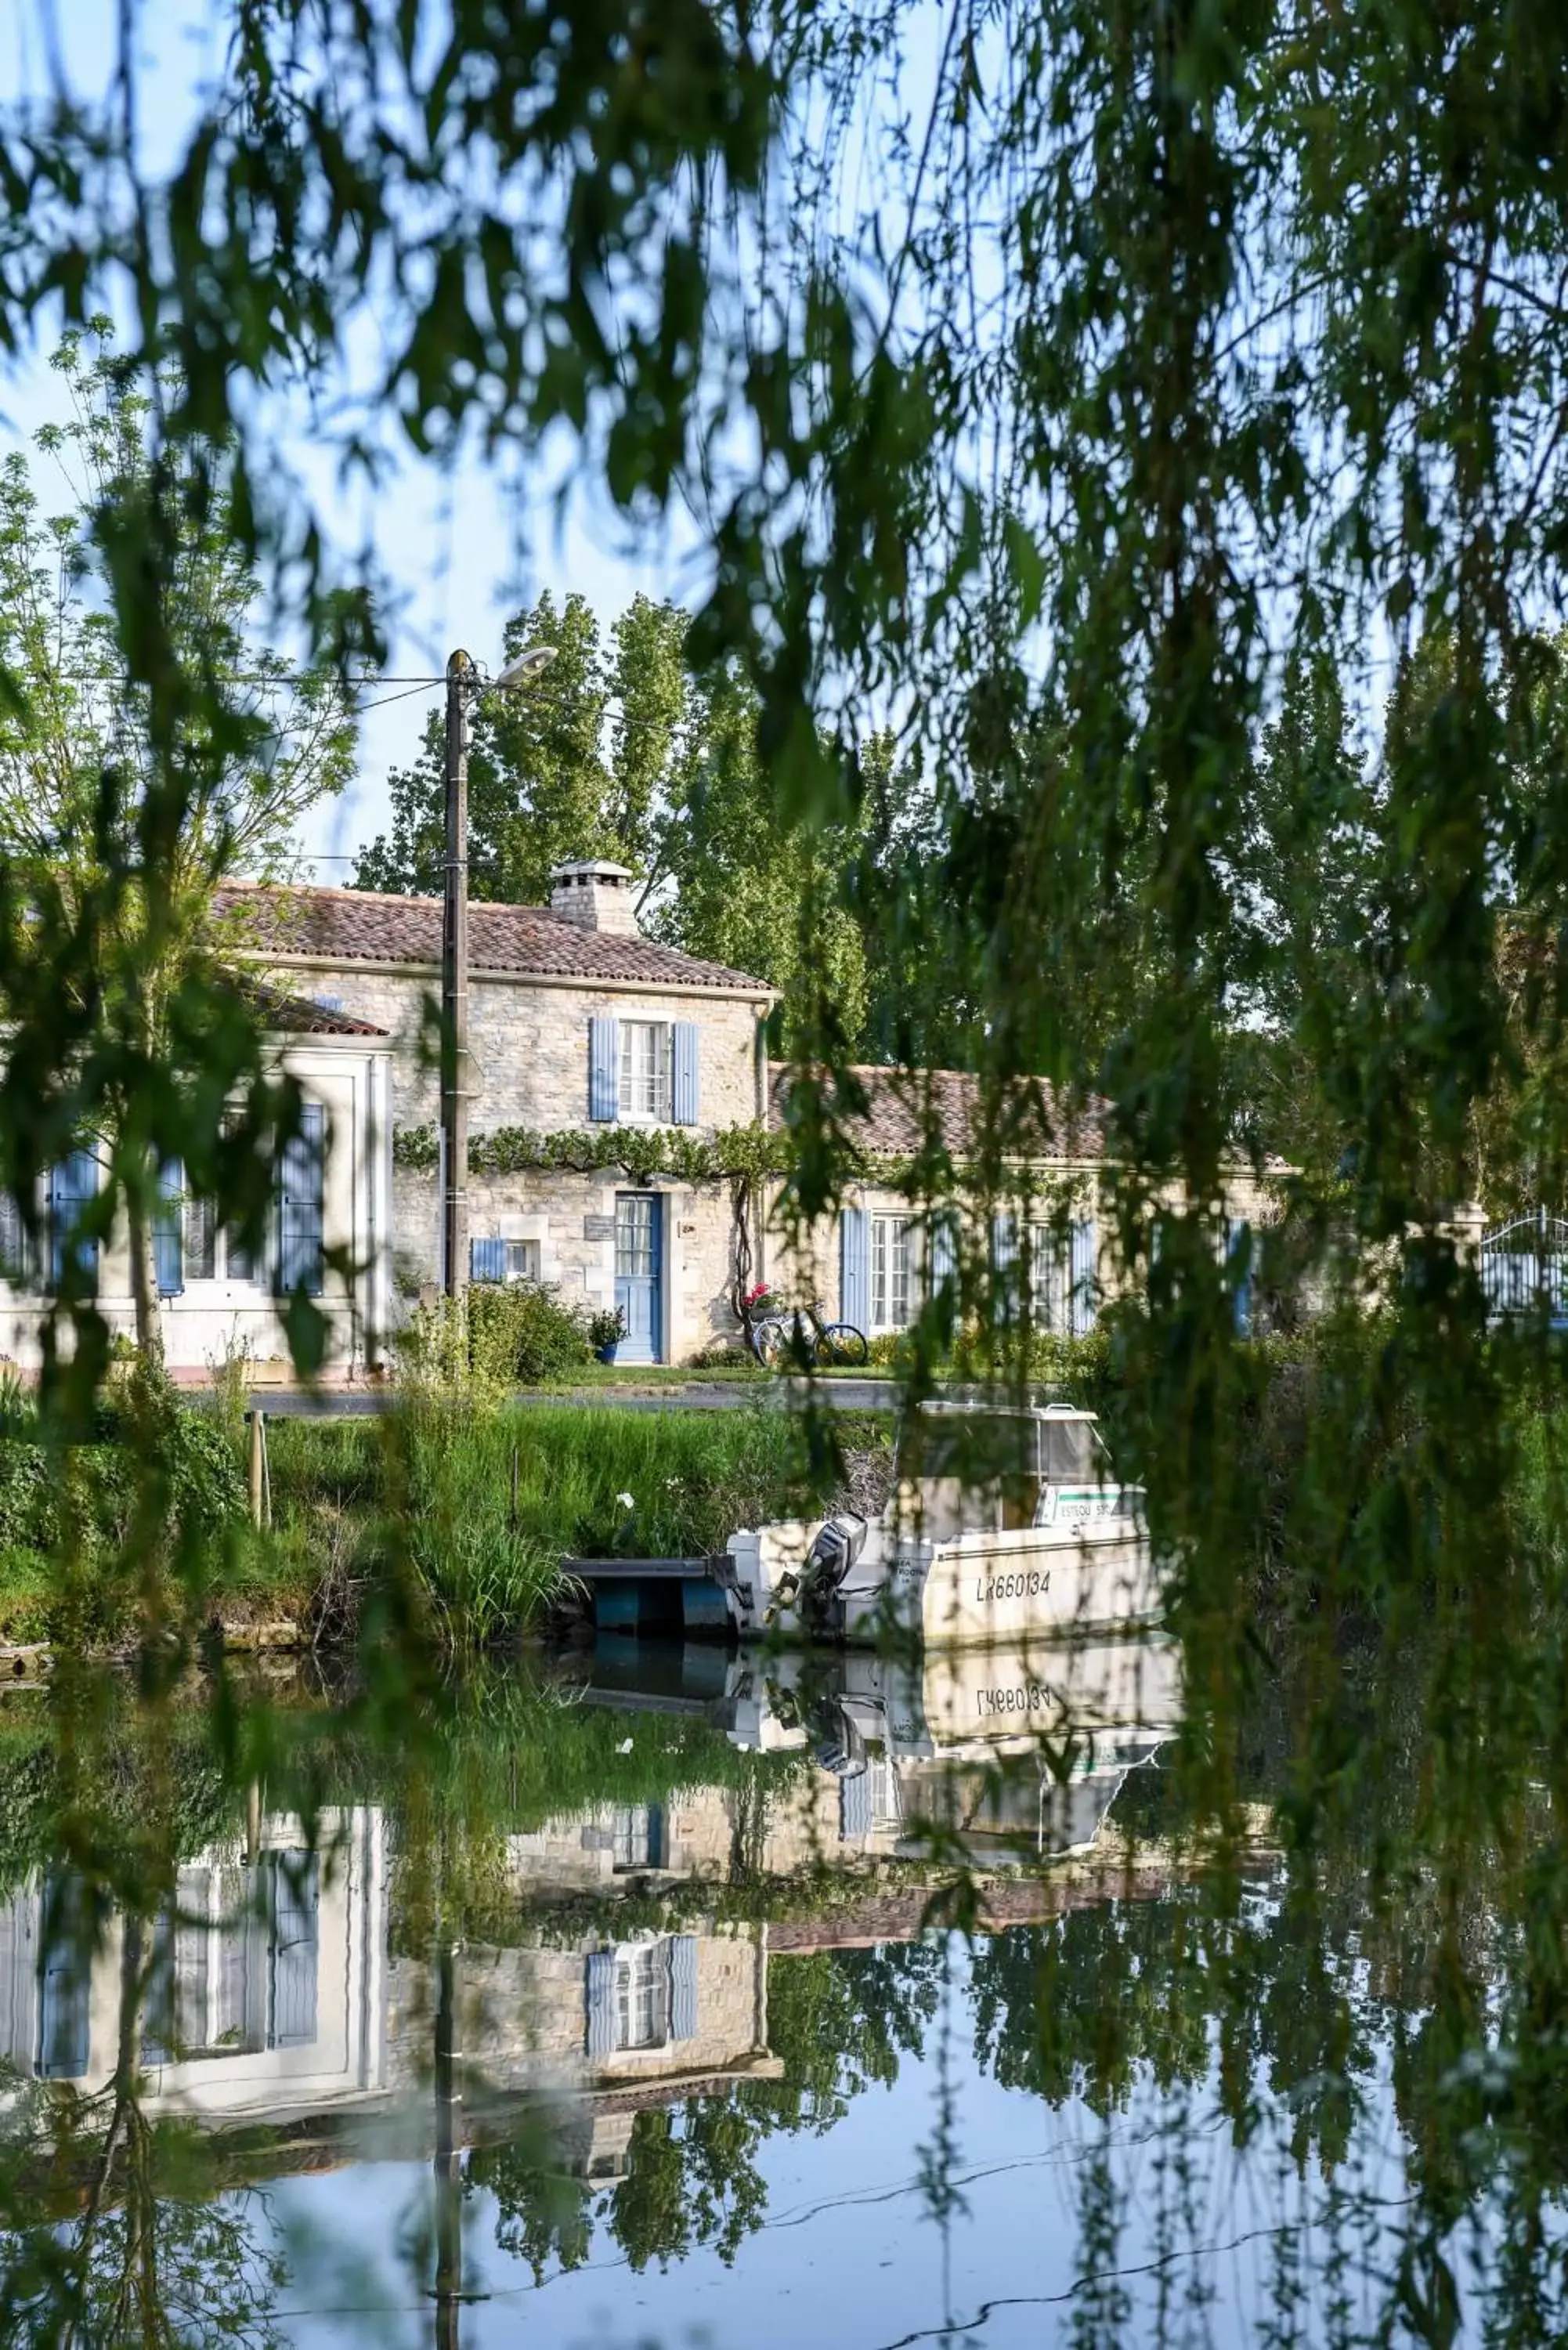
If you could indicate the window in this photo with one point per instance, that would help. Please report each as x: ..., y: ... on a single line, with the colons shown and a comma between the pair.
x: 233, y: 1966
x: 638, y: 1837
x: 200, y: 1241
x: 299, y: 1204
x: 1050, y: 1277
x: 495, y: 1259
x: 642, y: 1997
x: 15, y: 1257
x: 645, y: 1069
x: 892, y: 1269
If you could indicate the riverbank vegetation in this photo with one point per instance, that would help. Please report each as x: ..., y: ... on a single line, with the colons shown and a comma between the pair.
x: 462, y: 1509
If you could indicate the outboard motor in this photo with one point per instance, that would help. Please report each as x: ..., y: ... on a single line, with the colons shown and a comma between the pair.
x: 814, y: 1591
x: 841, y: 1749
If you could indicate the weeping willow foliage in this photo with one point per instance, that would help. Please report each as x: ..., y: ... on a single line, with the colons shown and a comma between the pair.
x: 1152, y: 411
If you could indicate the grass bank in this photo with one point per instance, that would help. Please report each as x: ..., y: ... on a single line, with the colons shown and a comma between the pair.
x: 482, y: 1504
x: 465, y: 1509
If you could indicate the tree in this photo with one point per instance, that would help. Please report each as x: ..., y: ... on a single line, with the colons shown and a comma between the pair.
x: 541, y: 787
x: 745, y: 888
x: 83, y: 774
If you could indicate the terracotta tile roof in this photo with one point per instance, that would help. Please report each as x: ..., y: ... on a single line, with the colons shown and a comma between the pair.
x: 903, y: 1107
x: 366, y: 926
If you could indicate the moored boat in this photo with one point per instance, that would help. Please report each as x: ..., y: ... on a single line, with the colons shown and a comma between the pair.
x: 1004, y: 1523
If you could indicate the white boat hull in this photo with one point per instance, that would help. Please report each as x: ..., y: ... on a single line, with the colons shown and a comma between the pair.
x: 977, y: 1590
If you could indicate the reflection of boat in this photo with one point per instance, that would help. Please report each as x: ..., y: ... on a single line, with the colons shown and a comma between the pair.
x: 1010, y: 1749
x: 1002, y: 1524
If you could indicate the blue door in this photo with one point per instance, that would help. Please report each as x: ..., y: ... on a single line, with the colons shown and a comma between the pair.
x: 638, y: 1275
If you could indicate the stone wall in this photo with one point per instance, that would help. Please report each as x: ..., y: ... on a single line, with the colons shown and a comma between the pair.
x: 523, y: 2013
x: 571, y: 1218
x: 529, y: 1041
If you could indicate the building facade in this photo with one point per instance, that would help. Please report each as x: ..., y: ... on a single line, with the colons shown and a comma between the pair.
x: 600, y: 1057
x: 581, y: 1030
x: 329, y: 1232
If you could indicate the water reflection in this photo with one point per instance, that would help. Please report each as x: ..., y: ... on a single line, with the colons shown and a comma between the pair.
x: 624, y: 1994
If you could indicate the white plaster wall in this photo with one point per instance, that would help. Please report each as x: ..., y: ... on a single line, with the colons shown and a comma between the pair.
x: 351, y: 1079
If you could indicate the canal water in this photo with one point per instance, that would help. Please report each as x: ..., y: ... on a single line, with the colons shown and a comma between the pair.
x: 638, y: 1996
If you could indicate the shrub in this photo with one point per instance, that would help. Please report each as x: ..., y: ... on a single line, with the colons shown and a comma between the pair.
x: 506, y: 1335
x: 529, y: 1333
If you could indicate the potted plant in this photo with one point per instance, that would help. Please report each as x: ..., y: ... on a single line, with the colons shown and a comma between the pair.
x: 605, y: 1331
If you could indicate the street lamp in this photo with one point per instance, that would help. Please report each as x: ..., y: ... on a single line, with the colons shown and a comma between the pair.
x: 462, y: 683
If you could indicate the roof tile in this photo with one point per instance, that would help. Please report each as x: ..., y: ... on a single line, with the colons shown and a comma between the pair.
x: 368, y: 926
x: 907, y: 1108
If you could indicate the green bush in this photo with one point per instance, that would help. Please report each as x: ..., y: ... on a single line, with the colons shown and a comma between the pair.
x: 504, y: 1336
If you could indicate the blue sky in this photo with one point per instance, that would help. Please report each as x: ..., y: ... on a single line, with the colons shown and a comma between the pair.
x: 466, y: 547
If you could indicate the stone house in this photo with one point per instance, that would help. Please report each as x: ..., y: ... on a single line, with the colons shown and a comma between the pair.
x: 1040, y: 1222
x: 584, y: 1035
x: 608, y: 1074
x: 333, y: 1208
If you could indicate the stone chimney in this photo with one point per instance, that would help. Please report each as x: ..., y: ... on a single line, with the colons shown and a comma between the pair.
x: 595, y: 894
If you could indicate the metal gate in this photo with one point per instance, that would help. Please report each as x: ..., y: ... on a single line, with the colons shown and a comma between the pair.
x: 1524, y: 1266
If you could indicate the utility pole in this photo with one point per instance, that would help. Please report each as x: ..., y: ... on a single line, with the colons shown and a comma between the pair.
x: 460, y: 682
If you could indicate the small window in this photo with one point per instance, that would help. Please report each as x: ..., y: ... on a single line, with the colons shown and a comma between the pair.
x: 892, y: 1272
x: 645, y: 1070
x: 638, y: 1833
x: 328, y: 1002
x: 522, y: 1260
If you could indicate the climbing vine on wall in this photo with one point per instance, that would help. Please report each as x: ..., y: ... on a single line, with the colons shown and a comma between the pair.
x: 639, y: 1151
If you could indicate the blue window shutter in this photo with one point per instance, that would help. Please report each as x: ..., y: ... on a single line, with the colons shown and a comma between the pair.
x: 855, y: 1805
x: 71, y: 1185
x: 1081, y: 1308
x: 685, y: 1104
x: 299, y: 1204
x: 167, y: 1251
x: 599, y: 1999
x: 683, y: 1987
x: 487, y: 1260
x: 65, y: 1981
x: 944, y: 1248
x: 295, y: 1906
x: 1238, y: 1261
x: 604, y: 1070
x: 854, y: 1266
x: 160, y: 2032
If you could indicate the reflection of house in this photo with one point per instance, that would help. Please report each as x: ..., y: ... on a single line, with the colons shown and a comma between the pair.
x: 596, y: 2014
x: 265, y: 1978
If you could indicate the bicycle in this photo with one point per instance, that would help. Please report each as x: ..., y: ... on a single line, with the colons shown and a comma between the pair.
x: 778, y: 1339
